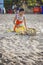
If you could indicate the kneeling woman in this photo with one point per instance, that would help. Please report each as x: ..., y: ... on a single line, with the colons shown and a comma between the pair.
x: 20, y: 22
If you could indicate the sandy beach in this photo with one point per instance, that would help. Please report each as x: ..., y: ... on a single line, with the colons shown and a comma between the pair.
x: 21, y: 49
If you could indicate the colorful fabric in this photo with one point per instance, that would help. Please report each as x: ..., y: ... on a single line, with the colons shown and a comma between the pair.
x: 19, y: 29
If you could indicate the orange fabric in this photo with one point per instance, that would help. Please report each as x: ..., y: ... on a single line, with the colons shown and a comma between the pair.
x: 17, y: 23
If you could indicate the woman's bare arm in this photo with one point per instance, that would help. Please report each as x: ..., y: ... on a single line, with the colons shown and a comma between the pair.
x: 25, y: 23
x: 14, y: 19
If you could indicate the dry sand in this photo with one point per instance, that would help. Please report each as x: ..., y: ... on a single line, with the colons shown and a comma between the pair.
x: 20, y: 49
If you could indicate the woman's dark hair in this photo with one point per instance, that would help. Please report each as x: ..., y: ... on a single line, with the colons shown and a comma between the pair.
x: 21, y: 9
